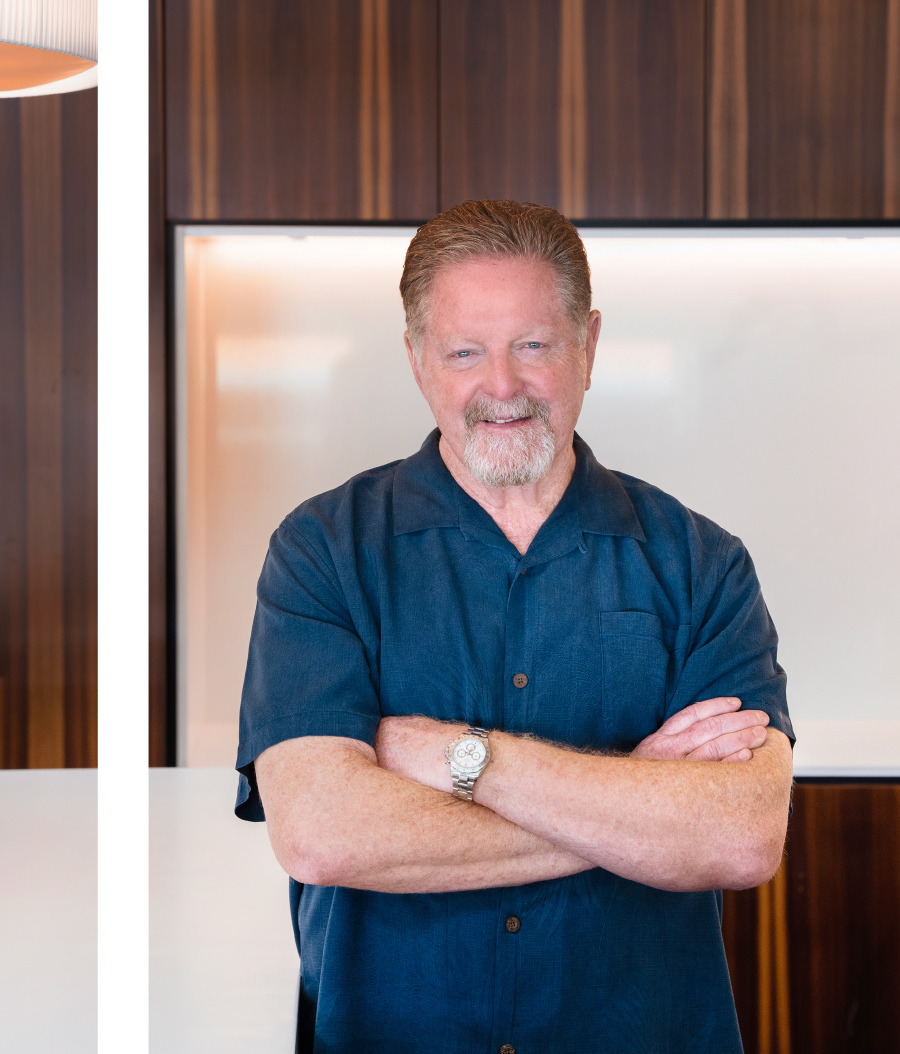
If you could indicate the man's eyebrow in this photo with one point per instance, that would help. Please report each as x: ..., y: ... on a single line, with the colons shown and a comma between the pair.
x: 458, y: 338
x: 542, y: 330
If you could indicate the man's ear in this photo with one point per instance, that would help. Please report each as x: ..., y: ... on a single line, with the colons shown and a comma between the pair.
x: 590, y: 348
x: 413, y: 360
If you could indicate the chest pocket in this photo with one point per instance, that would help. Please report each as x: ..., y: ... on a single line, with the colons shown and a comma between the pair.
x: 634, y: 663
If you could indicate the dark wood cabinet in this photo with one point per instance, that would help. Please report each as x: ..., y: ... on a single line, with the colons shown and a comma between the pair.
x: 301, y: 110
x: 814, y: 955
x: 593, y: 106
x: 804, y: 110
x: 843, y: 907
x: 48, y: 431
x: 607, y: 109
x: 161, y: 649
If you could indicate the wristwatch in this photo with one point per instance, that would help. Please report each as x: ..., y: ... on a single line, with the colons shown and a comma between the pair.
x: 467, y: 757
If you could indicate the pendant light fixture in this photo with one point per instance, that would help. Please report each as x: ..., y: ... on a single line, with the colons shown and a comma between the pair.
x: 47, y: 46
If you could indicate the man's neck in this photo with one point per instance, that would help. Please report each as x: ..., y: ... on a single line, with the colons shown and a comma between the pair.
x: 518, y: 511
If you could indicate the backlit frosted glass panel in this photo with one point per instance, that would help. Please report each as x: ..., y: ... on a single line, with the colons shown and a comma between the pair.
x: 754, y: 375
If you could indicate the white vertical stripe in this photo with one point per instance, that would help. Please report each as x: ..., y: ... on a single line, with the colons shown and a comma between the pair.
x: 69, y: 26
x: 122, y: 530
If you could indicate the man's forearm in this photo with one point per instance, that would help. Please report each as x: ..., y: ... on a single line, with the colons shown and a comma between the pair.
x: 679, y: 825
x: 358, y: 825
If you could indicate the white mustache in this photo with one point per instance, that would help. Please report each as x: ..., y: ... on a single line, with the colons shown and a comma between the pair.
x: 512, y: 410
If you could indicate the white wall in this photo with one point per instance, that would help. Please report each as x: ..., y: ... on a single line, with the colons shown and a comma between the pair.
x: 48, y: 911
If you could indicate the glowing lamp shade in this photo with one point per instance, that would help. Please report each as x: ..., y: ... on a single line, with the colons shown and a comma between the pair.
x: 47, y: 45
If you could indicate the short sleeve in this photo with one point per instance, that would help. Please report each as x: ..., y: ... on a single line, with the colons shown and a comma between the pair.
x: 307, y: 672
x: 733, y: 650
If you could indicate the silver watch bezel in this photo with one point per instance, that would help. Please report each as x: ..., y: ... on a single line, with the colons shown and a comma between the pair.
x: 456, y: 770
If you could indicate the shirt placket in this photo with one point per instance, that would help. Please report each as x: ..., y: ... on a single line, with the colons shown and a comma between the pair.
x: 517, y: 677
x: 517, y: 672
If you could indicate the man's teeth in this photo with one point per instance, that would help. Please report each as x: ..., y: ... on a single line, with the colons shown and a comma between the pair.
x: 503, y: 420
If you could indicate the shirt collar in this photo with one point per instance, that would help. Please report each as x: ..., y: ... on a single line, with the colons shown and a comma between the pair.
x: 425, y: 495
x: 604, y: 506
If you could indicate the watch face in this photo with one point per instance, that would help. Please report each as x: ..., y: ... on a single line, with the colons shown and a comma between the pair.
x: 469, y: 753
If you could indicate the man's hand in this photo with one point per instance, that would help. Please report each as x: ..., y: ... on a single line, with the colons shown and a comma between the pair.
x: 711, y: 730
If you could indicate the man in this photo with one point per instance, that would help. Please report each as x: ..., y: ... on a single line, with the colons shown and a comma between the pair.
x: 514, y: 718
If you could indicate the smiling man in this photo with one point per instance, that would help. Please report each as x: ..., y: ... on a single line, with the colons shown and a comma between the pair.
x: 514, y: 719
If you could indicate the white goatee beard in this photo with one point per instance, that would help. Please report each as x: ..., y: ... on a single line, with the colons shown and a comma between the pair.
x: 520, y: 457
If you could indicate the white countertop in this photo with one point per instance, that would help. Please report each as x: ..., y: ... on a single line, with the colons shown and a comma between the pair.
x: 48, y: 911
x: 223, y: 965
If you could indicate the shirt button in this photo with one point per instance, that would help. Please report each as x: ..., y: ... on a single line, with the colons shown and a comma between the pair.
x: 513, y: 924
x: 520, y: 680
x: 507, y: 1048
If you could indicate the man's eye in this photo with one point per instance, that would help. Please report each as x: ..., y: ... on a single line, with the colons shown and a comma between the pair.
x: 463, y: 354
x: 533, y: 344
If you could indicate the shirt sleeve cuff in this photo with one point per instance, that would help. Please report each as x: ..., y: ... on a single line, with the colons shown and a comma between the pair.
x: 348, y: 723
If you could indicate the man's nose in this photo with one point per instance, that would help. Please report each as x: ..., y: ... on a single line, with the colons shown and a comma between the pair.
x: 503, y: 380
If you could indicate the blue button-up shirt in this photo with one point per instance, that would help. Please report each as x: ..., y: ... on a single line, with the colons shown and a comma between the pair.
x: 398, y: 594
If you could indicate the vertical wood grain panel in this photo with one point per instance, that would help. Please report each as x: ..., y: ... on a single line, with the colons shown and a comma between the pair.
x: 366, y: 109
x: 740, y: 929
x: 13, y: 531
x: 726, y: 184
x: 286, y: 110
x: 814, y: 955
x: 821, y: 109
x: 375, y: 133
x: 42, y: 270
x: 79, y: 424
x: 755, y: 929
x: 646, y: 108
x: 781, y: 981
x: 573, y: 123
x: 764, y: 968
x: 500, y: 122
x: 383, y: 94
x: 773, y: 1022
x: 203, y: 117
x: 593, y: 106
x: 160, y: 735
x: 48, y: 304
x: 844, y: 908
x: 891, y: 193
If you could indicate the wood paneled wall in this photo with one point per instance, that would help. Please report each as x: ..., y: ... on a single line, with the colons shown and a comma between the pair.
x: 48, y: 431
x: 161, y: 657
x: 607, y: 109
x: 804, y: 109
x: 593, y: 106
x: 814, y: 955
x: 301, y: 109
x: 843, y: 908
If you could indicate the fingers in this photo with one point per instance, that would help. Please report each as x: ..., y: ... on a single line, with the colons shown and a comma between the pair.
x: 700, y: 711
x: 712, y: 728
x: 741, y: 755
x: 723, y: 747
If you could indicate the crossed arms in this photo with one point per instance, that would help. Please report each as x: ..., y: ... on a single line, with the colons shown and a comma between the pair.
x: 676, y: 814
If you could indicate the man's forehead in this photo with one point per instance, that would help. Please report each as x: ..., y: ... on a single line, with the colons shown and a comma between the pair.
x: 494, y: 294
